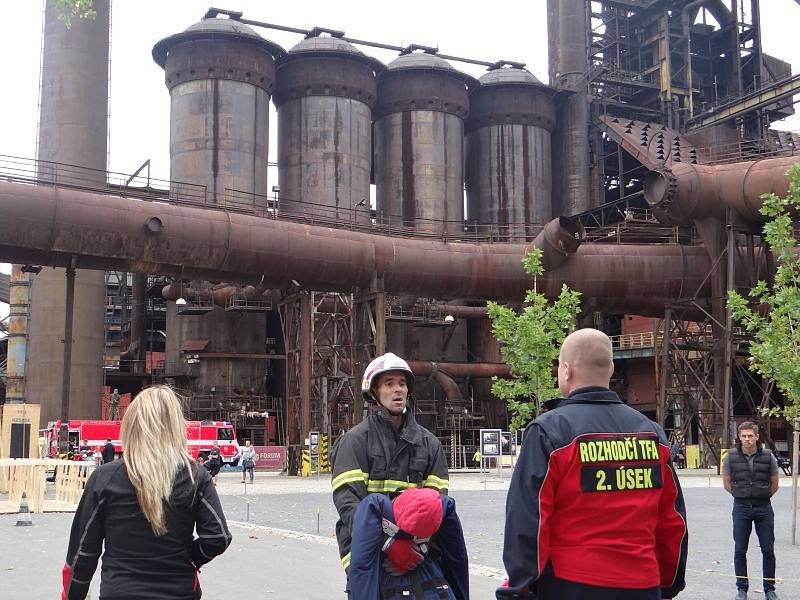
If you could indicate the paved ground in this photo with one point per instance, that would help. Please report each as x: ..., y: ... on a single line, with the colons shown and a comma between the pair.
x: 280, y: 550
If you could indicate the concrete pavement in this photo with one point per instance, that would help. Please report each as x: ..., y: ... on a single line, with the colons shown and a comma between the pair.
x: 280, y: 553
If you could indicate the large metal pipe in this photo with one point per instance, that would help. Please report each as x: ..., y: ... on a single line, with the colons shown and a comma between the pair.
x: 474, y: 370
x: 450, y: 388
x: 687, y: 192
x: 73, y: 129
x: 559, y: 239
x: 46, y: 225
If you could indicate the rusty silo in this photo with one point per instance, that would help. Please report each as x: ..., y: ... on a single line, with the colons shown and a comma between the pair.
x: 220, y: 74
x: 508, y: 155
x: 419, y: 143
x: 73, y: 129
x: 325, y: 92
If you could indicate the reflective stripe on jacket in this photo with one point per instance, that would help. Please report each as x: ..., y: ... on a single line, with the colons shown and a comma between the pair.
x: 375, y: 457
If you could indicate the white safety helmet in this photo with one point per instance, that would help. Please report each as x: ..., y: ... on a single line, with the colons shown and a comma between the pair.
x: 384, y: 364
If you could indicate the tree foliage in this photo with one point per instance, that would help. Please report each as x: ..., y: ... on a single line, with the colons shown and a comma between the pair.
x: 775, y: 351
x: 71, y: 9
x: 530, y: 342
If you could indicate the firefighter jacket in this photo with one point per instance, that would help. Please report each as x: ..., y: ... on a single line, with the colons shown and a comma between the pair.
x: 595, y: 495
x: 375, y: 457
x: 445, y: 577
x: 136, y: 562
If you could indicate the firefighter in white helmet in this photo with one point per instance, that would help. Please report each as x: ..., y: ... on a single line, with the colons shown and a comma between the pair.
x: 386, y: 453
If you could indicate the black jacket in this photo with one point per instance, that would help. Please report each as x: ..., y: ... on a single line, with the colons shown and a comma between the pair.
x: 594, y: 496
x: 375, y: 457
x: 755, y: 486
x: 136, y: 563
x: 108, y: 452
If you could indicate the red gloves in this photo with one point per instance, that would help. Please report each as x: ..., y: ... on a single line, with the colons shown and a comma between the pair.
x: 401, y: 555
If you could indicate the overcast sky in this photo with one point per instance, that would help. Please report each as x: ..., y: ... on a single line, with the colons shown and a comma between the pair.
x: 139, y: 107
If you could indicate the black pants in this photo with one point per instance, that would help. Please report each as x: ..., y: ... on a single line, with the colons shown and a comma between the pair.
x: 553, y: 588
x: 744, y: 516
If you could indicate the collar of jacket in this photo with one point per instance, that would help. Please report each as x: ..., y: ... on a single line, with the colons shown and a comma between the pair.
x: 409, y: 431
x: 759, y: 447
x: 585, y: 395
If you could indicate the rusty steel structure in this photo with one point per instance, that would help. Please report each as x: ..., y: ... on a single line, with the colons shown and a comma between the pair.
x: 291, y: 293
x: 324, y: 95
x: 220, y: 75
x: 419, y: 142
x: 508, y: 170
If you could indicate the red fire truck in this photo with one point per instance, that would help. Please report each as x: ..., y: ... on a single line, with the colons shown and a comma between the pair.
x: 86, y: 436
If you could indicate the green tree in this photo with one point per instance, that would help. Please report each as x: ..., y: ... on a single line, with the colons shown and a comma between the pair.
x: 775, y: 350
x: 529, y: 344
x: 70, y: 9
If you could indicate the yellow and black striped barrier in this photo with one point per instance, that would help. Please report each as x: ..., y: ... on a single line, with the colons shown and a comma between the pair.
x: 324, y: 457
x: 305, y: 468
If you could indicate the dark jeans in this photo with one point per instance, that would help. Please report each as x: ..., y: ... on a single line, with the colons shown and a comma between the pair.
x: 247, y: 470
x: 744, y: 516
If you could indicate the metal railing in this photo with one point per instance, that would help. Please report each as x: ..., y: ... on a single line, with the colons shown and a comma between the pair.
x: 629, y: 341
x: 743, y: 150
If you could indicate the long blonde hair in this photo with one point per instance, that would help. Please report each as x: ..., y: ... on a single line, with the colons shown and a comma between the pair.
x: 155, y: 449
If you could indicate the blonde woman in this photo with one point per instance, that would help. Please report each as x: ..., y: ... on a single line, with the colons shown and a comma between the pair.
x: 145, y: 508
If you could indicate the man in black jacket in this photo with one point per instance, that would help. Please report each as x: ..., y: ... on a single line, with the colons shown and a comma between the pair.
x: 594, y: 509
x: 750, y: 474
x: 387, y: 453
x: 108, y: 452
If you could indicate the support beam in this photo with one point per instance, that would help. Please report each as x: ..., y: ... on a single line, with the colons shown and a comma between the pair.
x: 65, y: 374
x: 749, y: 103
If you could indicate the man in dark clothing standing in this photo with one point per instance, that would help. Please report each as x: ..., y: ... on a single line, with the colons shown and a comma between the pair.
x: 594, y: 509
x: 387, y: 453
x: 750, y: 474
x: 108, y: 451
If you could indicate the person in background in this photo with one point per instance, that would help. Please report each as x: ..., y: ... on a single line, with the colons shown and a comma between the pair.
x: 97, y: 456
x: 140, y: 512
x: 113, y: 405
x: 214, y: 461
x: 247, y: 457
x: 594, y: 509
x: 108, y: 451
x: 750, y: 475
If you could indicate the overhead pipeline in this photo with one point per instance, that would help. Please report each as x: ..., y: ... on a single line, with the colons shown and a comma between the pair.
x: 49, y: 226
x: 688, y: 192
